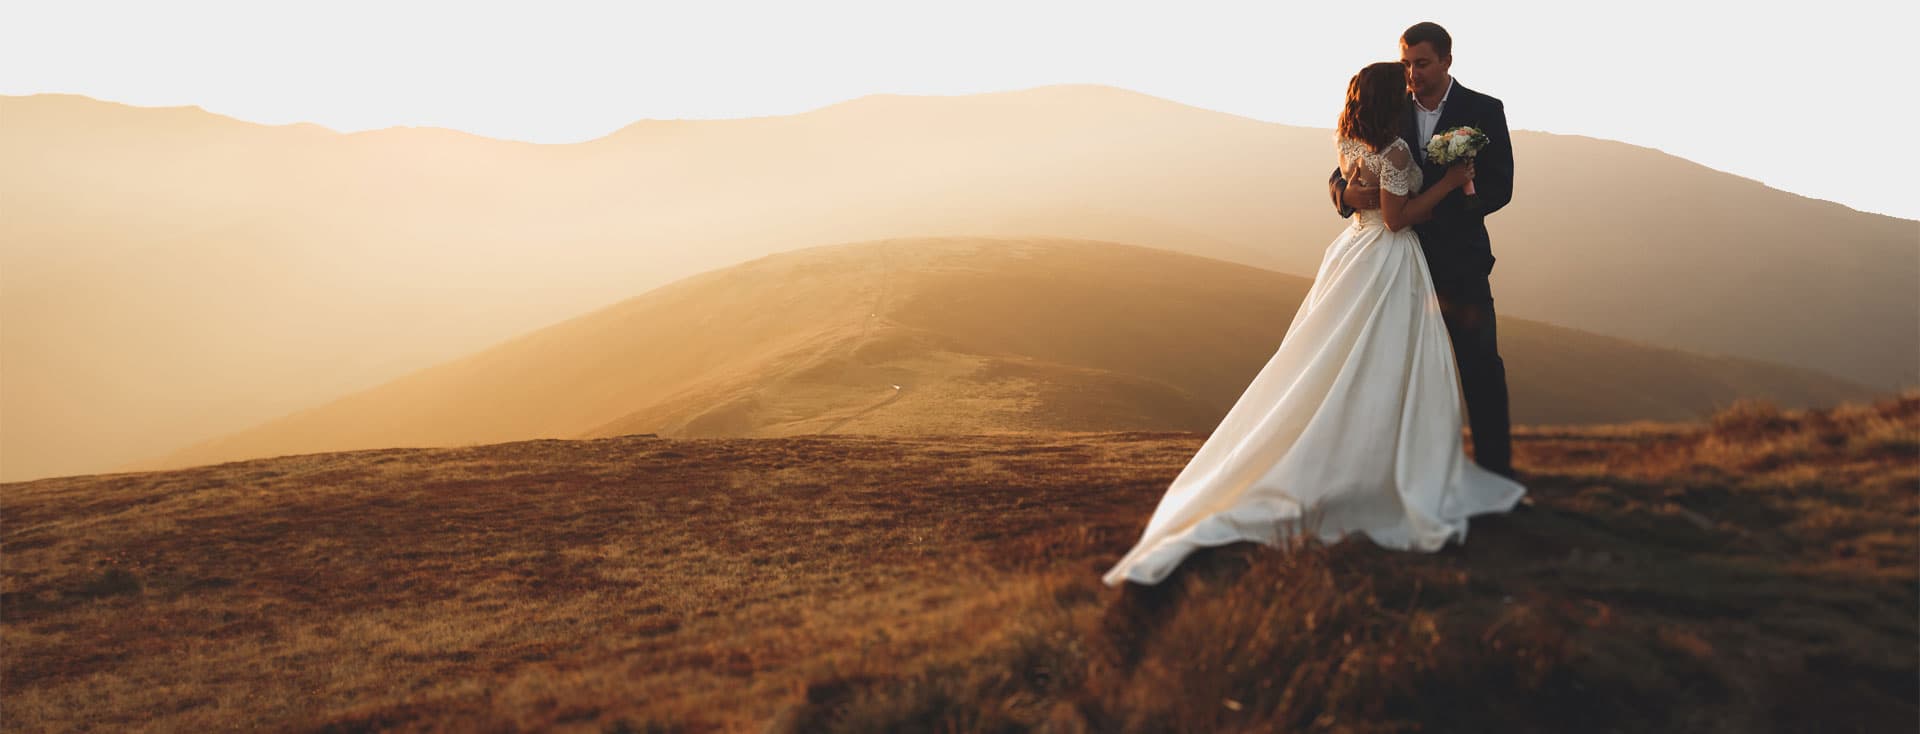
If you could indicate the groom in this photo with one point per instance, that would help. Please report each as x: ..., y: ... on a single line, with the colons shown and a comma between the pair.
x: 1455, y: 240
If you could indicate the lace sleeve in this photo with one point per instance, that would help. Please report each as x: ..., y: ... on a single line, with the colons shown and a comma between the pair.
x: 1352, y: 158
x: 1396, y: 168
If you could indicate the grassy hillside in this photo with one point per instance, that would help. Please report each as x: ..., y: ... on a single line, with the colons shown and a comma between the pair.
x: 951, y: 335
x: 1752, y: 574
x: 261, y: 270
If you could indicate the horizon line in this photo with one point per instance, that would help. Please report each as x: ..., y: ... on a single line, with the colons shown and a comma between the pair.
x: 880, y: 95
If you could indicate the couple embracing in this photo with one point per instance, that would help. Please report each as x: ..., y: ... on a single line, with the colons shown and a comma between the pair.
x: 1353, y: 426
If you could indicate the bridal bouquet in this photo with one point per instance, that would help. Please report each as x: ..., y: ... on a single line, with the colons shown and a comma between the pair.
x: 1452, y: 145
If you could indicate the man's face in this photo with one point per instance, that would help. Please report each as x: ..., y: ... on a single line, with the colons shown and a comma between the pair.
x: 1426, y: 71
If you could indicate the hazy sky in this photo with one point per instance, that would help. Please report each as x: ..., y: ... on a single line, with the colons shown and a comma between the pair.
x: 1814, y: 98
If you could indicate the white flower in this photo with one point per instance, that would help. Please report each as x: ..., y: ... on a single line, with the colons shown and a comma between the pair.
x: 1457, y: 146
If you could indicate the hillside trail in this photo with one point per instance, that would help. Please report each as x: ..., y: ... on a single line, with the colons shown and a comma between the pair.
x: 852, y: 347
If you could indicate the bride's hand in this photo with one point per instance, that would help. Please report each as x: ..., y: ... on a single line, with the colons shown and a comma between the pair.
x: 1459, y: 174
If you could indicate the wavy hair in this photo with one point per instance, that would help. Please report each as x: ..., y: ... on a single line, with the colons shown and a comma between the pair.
x: 1376, y: 100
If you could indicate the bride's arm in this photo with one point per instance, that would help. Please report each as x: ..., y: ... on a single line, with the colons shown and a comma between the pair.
x: 1402, y: 212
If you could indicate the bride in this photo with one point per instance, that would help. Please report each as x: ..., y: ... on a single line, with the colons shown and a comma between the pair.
x: 1354, y: 425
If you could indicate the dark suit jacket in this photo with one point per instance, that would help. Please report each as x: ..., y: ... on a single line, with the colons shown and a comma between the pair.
x: 1459, y: 253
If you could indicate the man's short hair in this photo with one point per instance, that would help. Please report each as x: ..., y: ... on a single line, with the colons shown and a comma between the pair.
x: 1429, y: 33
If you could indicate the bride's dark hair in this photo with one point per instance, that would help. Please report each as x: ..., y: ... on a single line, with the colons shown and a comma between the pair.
x: 1376, y: 99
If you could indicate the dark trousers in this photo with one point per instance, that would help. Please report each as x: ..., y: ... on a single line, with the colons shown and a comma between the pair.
x: 1483, y: 379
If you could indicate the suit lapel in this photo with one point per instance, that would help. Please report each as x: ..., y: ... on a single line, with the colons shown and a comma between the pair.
x: 1457, y: 109
x: 1453, y: 113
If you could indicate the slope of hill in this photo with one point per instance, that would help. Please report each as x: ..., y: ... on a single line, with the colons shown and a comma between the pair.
x: 958, y: 335
x: 1750, y: 575
x: 262, y: 270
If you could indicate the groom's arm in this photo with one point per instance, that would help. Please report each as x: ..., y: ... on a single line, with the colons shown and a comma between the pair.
x: 1337, y: 186
x: 1348, y: 198
x: 1493, y: 168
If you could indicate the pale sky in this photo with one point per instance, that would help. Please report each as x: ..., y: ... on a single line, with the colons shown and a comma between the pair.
x: 1814, y: 98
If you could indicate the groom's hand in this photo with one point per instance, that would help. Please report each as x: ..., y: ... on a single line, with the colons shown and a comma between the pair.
x: 1361, y: 197
x: 1337, y: 189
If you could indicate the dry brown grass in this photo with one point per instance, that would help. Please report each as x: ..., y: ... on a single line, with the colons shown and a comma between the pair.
x: 1755, y: 574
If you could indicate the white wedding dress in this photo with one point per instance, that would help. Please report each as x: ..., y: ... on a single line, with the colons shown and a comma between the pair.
x: 1352, y: 427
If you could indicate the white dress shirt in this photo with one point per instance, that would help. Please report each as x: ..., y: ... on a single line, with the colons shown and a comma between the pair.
x: 1429, y: 119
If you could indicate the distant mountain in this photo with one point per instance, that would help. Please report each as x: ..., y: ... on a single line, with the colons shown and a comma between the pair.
x: 168, y: 275
x: 956, y: 335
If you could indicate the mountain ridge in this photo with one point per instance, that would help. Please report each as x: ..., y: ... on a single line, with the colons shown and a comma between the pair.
x: 982, y: 335
x: 262, y: 270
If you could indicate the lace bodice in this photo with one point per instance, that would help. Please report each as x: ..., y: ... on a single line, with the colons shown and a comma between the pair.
x: 1392, y: 169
